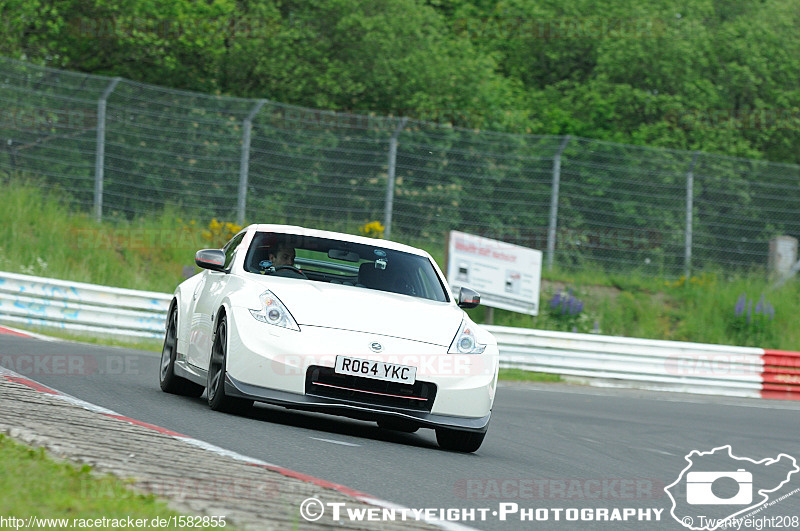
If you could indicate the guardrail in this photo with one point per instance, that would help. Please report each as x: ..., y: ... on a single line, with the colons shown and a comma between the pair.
x: 77, y: 307
x: 781, y: 374
x: 652, y: 364
x: 606, y: 360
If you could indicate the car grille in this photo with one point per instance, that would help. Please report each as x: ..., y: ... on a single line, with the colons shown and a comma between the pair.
x: 322, y: 381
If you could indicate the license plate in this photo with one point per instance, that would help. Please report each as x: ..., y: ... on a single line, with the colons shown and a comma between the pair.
x: 378, y: 370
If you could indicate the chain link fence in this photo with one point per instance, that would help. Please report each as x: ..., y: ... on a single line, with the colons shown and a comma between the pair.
x: 122, y: 149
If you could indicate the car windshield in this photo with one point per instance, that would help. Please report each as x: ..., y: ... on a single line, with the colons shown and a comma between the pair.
x: 346, y: 263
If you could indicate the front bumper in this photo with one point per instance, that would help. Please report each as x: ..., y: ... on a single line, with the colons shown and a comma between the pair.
x: 354, y: 409
x: 271, y: 364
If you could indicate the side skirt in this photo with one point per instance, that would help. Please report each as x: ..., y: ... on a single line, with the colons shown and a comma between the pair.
x: 190, y: 372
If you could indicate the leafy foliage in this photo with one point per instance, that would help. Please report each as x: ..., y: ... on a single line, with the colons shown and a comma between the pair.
x: 752, y: 322
x: 710, y: 75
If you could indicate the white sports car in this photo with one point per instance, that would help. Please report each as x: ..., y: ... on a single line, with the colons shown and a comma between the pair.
x: 359, y: 327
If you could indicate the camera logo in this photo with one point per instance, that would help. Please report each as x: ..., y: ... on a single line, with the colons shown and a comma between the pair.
x: 717, y: 487
x: 699, y: 488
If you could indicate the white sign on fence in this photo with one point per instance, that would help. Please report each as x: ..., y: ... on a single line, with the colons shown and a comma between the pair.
x: 507, y: 276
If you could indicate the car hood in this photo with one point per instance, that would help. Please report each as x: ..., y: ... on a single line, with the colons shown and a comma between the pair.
x: 369, y: 311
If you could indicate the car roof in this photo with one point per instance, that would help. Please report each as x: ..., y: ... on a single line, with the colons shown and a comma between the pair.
x: 317, y: 233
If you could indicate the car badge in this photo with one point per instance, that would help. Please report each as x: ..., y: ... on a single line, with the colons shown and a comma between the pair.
x: 376, y: 347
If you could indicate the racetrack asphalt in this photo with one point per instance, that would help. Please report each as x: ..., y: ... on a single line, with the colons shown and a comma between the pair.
x: 549, y: 446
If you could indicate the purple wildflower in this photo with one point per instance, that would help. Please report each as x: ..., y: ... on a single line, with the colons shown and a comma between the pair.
x: 760, y: 305
x: 566, y: 303
x: 555, y: 301
x: 740, y: 304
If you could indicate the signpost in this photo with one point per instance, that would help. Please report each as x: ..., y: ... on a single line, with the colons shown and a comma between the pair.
x: 507, y: 276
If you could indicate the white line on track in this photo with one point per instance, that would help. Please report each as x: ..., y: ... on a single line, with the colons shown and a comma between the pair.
x: 654, y: 450
x: 334, y: 442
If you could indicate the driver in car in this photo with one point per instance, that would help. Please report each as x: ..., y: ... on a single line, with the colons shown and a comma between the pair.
x: 282, y: 255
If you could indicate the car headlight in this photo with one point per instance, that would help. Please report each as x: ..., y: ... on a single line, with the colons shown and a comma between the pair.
x: 466, y: 342
x: 273, y: 312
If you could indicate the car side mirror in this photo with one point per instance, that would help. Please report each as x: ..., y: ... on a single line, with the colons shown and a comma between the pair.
x: 468, y: 298
x: 213, y: 259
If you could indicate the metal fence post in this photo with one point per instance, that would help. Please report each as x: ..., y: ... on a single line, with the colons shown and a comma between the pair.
x: 551, y: 231
x: 244, y: 164
x: 12, y: 154
x: 100, y: 149
x: 689, y: 206
x: 387, y: 216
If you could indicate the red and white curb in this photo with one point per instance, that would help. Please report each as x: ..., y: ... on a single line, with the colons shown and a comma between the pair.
x: 5, y: 330
x: 12, y: 376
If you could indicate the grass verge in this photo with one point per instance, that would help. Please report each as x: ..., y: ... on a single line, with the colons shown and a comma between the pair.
x: 520, y: 375
x: 34, y: 485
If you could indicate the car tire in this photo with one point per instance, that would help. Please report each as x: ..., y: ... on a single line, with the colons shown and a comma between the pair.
x: 458, y: 440
x: 169, y: 381
x: 398, y: 425
x: 215, y: 388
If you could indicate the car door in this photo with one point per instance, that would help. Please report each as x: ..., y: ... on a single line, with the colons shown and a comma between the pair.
x: 205, y: 302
